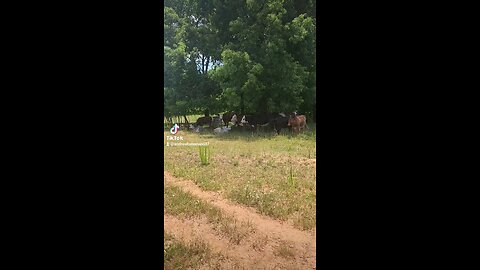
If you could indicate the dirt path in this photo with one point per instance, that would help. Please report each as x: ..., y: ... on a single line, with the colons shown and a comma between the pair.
x: 260, y: 249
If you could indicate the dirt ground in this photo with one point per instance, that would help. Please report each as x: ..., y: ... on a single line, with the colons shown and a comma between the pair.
x: 272, y: 244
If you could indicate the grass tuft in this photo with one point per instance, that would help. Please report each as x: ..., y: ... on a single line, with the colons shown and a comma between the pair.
x: 285, y: 250
x: 178, y: 255
x: 204, y: 155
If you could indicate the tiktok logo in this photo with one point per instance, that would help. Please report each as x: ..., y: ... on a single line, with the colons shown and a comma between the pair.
x: 174, y: 129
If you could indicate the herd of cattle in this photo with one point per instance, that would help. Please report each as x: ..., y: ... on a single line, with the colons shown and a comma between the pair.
x: 269, y: 121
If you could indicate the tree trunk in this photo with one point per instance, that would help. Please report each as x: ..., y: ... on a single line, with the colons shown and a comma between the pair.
x: 186, y: 120
x: 206, y: 67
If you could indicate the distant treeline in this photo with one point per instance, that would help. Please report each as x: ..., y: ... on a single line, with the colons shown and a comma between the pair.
x: 239, y: 55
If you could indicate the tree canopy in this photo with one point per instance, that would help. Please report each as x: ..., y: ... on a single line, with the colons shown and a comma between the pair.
x: 240, y: 55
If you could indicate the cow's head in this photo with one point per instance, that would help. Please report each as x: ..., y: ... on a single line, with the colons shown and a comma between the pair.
x: 234, y: 119
x: 244, y: 121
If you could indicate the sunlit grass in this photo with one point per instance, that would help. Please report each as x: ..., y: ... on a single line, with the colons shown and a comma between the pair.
x: 274, y: 174
x: 178, y: 255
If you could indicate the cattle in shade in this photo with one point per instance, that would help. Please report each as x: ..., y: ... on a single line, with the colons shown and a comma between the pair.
x: 297, y: 122
x: 236, y: 119
x: 247, y: 120
x: 227, y: 118
x: 258, y: 119
x: 278, y: 123
x: 221, y: 130
x: 216, y: 121
x: 205, y: 120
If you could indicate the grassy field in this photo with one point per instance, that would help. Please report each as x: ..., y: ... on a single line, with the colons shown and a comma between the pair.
x: 274, y: 174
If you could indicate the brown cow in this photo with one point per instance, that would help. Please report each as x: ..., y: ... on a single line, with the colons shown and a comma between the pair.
x: 227, y: 117
x: 297, y: 122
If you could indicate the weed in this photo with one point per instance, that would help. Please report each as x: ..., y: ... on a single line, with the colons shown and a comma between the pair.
x: 204, y: 155
x: 285, y: 250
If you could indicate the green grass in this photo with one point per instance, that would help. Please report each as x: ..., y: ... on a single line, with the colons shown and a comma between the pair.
x: 178, y: 255
x: 274, y: 174
x: 180, y: 203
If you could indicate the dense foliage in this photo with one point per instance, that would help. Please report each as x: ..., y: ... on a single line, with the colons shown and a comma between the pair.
x: 241, y: 55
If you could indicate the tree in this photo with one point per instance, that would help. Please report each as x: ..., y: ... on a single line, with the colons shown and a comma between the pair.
x: 242, y: 55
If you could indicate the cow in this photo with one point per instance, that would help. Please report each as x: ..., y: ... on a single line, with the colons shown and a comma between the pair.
x: 247, y: 119
x: 227, y: 118
x: 204, y: 120
x: 258, y: 119
x: 236, y: 119
x: 217, y: 121
x: 278, y: 123
x: 297, y: 122
x: 221, y: 130
x: 266, y: 121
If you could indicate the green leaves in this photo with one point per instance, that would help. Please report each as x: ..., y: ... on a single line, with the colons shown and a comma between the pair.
x: 263, y: 52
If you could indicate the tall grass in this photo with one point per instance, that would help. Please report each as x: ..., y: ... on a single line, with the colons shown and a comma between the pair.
x: 204, y: 155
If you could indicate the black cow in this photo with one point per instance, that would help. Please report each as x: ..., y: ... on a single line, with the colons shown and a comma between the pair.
x: 258, y: 119
x: 265, y: 122
x: 279, y: 123
x: 247, y: 119
x: 204, y: 120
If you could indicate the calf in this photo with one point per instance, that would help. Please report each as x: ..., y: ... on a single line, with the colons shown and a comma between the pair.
x: 297, y: 122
